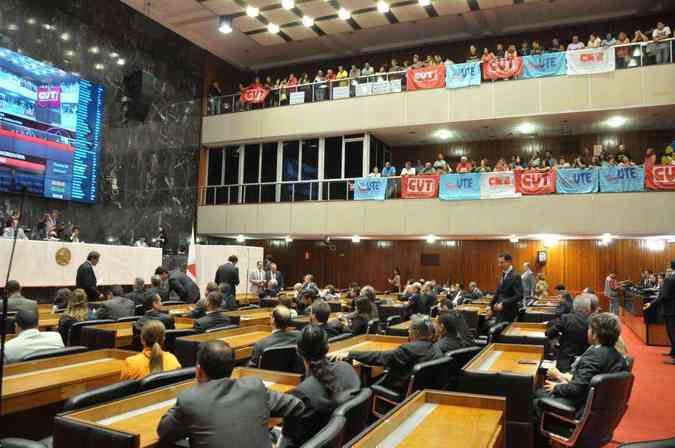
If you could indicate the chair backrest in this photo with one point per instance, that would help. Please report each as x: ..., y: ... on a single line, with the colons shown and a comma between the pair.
x: 171, y: 335
x: 496, y: 330
x: 458, y: 359
x: 224, y: 327
x: 248, y: 307
x: 165, y: 378
x: 331, y: 436
x: 373, y: 326
x: 392, y: 320
x: 283, y: 358
x: 100, y: 395
x: 173, y: 302
x: 76, y: 329
x: 340, y: 337
x: 14, y: 442
x: 385, y: 311
x: 605, y: 406
x: 9, y: 324
x: 129, y: 319
x: 139, y: 310
x: 429, y: 375
x: 356, y: 411
x: 43, y: 354
x: 471, y: 317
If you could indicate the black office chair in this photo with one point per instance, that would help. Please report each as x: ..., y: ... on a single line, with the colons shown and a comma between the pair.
x: 100, y: 395
x: 248, y: 307
x: 331, y: 436
x: 606, y: 403
x: 43, y: 354
x: 425, y: 375
x: 340, y: 337
x: 459, y: 358
x: 76, y: 329
x: 129, y: 319
x: 13, y: 442
x: 356, y: 412
x: 664, y: 443
x: 224, y: 327
x: 9, y: 324
x: 140, y: 310
x: 472, y: 321
x: 495, y: 331
x: 373, y: 326
x: 162, y: 379
x: 171, y: 335
x: 282, y: 359
x: 173, y: 302
x: 386, y: 311
x: 391, y: 321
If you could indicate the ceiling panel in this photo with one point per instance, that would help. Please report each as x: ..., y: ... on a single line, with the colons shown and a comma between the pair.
x: 222, y: 6
x: 452, y: 7
x: 353, y: 5
x: 262, y: 3
x: 246, y: 23
x: 334, y: 26
x: 317, y: 9
x: 487, y: 4
x: 371, y: 19
x: 299, y: 32
x: 410, y: 12
x: 280, y: 16
x: 267, y: 39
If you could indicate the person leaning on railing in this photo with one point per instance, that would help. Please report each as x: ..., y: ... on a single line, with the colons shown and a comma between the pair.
x: 662, y: 49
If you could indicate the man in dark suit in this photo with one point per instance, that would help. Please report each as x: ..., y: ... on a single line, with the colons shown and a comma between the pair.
x: 221, y: 409
x: 16, y: 301
x: 282, y: 335
x: 666, y: 299
x: 156, y: 288
x: 229, y: 302
x: 509, y: 293
x: 152, y: 307
x: 86, y: 278
x: 416, y: 303
x: 200, y: 310
x: 186, y: 289
x: 138, y: 293
x: 116, y: 306
x: 229, y: 273
x: 572, y: 329
x: 319, y: 316
x: 214, y: 316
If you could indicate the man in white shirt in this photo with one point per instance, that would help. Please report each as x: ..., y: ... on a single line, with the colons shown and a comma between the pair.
x: 408, y: 170
x: 662, y: 49
x: 29, y: 339
x: 257, y: 280
x: 576, y: 44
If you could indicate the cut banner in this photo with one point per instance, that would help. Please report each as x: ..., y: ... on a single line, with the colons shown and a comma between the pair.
x: 615, y: 179
x: 459, y: 187
x: 503, y: 68
x: 576, y: 180
x: 425, y: 77
x: 534, y: 182
x: 370, y: 188
x: 660, y: 177
x: 462, y: 75
x: 590, y: 60
x: 498, y: 185
x: 419, y: 187
x: 254, y: 94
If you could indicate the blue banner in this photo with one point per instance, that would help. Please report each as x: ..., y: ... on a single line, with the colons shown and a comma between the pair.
x: 462, y: 75
x: 547, y: 64
x: 576, y: 180
x: 459, y: 187
x: 370, y: 188
x: 614, y: 179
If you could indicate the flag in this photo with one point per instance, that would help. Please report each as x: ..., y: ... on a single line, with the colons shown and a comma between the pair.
x: 192, y: 258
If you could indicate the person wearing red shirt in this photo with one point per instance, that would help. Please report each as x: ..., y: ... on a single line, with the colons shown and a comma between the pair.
x: 464, y: 166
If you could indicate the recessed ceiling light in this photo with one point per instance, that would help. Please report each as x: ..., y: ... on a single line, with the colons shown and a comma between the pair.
x: 31, y: 21
x: 12, y: 27
x: 241, y: 238
x: 121, y: 61
x: 425, y: 2
x: 65, y: 37
x: 94, y: 50
x: 344, y: 14
x: 99, y: 66
x: 514, y: 239
x: 273, y: 28
x: 383, y: 6
x: 252, y: 11
x: 288, y: 239
x: 70, y: 53
x: 307, y: 21
x: 616, y: 122
x: 47, y: 26
x: 443, y: 134
x: 288, y: 4
x: 114, y: 55
x: 431, y: 239
x: 526, y: 128
x: 356, y: 239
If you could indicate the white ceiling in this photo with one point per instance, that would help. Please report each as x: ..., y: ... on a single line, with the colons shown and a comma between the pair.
x: 250, y: 46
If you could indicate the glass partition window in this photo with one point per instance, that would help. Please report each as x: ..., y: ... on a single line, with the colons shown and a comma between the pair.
x: 231, y: 165
x: 354, y: 158
x: 291, y: 156
x: 215, y: 172
x: 332, y: 160
x: 268, y: 169
x: 310, y: 159
x: 252, y: 164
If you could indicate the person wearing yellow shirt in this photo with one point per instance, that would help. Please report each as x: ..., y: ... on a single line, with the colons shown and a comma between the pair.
x: 152, y: 359
x: 667, y: 158
x: 342, y: 74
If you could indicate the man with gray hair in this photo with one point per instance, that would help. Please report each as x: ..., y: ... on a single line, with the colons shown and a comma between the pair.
x: 157, y: 288
x: 529, y: 281
x: 572, y: 329
x: 137, y: 294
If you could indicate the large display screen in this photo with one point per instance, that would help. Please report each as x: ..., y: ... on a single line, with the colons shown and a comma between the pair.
x: 50, y: 130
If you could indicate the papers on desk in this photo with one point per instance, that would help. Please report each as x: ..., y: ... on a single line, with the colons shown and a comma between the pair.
x: 140, y: 411
x: 408, y: 426
x: 490, y: 360
x: 547, y: 364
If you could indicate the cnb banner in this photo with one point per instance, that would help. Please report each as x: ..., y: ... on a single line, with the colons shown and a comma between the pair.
x: 425, y: 77
x: 254, y: 94
x: 614, y: 179
x: 498, y: 185
x: 660, y: 177
x: 459, y: 187
x: 535, y: 182
x: 547, y: 64
x: 419, y: 187
x: 462, y: 75
x: 503, y: 68
x: 370, y: 188
x: 590, y: 60
x: 577, y: 180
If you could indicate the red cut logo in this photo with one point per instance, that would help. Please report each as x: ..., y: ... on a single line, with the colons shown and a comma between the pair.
x: 419, y: 187
x: 534, y: 182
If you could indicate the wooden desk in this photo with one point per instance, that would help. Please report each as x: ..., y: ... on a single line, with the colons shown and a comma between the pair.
x: 506, y: 358
x: 178, y: 309
x: 257, y: 316
x: 240, y: 339
x: 48, y: 321
x: 539, y: 314
x: 481, y: 309
x: 140, y: 414
x: 547, y: 303
x: 482, y: 301
x: 367, y: 343
x: 301, y: 321
x: 435, y: 419
x: 124, y: 331
x: 37, y: 383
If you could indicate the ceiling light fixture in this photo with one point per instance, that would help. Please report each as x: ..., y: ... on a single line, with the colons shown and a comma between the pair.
x: 12, y: 27
x: 356, y: 239
x: 606, y: 238
x: 443, y: 134
x: 526, y: 128
x: 344, y: 14
x: 114, y: 55
x: 241, y: 238
x: 514, y: 239
x: 252, y: 11
x: 656, y: 245
x: 616, y: 122
x: 425, y: 2
x: 31, y: 21
x: 288, y: 4
x: 65, y: 37
x: 70, y: 53
x: 431, y: 239
x: 307, y: 21
x: 288, y: 239
x: 273, y: 28
x: 99, y: 66
x: 94, y: 50
x: 383, y: 7
x: 225, y: 24
x: 121, y: 61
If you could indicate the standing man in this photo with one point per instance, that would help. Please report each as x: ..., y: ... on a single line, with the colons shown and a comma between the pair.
x: 529, y: 281
x: 186, y: 289
x: 666, y: 298
x: 229, y: 273
x: 612, y: 289
x: 257, y: 280
x: 86, y: 278
x: 509, y: 293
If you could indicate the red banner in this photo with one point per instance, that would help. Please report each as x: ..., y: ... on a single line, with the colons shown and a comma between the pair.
x: 503, y: 68
x: 419, y: 187
x: 425, y: 77
x: 660, y: 177
x: 535, y: 182
x: 254, y: 94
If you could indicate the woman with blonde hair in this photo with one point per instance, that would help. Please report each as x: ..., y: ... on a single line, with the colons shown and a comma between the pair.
x: 77, y: 310
x: 541, y: 288
x: 152, y: 359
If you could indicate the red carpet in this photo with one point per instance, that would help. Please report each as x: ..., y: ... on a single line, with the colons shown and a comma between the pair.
x: 652, y: 404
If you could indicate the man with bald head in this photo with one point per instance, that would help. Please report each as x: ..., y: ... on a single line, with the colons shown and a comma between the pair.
x: 572, y: 329
x: 281, y: 335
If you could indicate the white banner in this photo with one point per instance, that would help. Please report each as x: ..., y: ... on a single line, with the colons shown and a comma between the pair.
x: 364, y: 89
x: 395, y: 85
x: 498, y: 185
x: 590, y: 60
x: 340, y: 92
x: 297, y: 98
x: 380, y: 87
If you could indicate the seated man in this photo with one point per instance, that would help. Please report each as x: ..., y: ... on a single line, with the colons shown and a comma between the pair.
x: 152, y: 307
x: 16, y: 300
x: 572, y: 329
x: 320, y: 315
x: 138, y: 293
x: 200, y: 308
x: 416, y: 303
x: 156, y: 287
x: 601, y: 357
x: 272, y: 290
x: 400, y: 361
x: 281, y: 335
x: 115, y: 306
x: 566, y: 305
x: 29, y: 339
x: 214, y: 317
x: 474, y: 293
